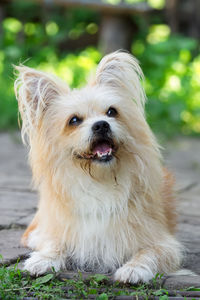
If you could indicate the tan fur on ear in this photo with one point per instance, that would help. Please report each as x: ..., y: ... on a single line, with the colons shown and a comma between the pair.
x: 121, y: 71
x: 34, y: 90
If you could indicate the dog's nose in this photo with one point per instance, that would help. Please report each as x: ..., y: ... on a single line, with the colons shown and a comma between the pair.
x: 101, y: 127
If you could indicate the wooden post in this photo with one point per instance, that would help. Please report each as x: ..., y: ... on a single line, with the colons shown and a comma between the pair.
x: 172, y: 14
x: 195, y: 20
x: 116, y: 33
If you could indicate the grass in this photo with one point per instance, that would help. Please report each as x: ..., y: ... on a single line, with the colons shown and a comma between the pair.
x: 17, y: 284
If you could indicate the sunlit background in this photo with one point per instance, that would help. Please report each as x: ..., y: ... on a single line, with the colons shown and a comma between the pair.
x: 65, y: 41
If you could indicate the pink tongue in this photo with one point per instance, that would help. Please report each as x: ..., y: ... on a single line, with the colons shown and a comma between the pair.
x: 102, y: 148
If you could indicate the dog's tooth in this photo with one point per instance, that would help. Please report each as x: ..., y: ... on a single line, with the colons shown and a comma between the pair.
x: 103, y: 154
x: 99, y: 154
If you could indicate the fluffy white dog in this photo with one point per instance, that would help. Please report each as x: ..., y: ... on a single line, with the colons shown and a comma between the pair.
x: 106, y: 202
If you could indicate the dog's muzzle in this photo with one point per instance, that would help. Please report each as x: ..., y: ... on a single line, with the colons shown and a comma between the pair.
x: 102, y: 147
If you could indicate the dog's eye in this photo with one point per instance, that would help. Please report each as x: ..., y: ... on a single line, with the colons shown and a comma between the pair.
x: 75, y: 120
x: 112, y: 112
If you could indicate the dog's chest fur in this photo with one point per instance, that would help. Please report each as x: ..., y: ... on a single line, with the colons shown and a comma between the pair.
x: 100, y: 236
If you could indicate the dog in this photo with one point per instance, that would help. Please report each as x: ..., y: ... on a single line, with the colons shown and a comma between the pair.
x: 106, y: 201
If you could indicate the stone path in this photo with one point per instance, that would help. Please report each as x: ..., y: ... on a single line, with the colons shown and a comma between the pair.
x: 18, y: 201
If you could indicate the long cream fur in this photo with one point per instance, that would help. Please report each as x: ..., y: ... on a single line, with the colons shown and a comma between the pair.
x: 115, y: 217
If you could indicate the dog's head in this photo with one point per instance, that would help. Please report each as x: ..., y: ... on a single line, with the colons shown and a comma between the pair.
x: 96, y: 126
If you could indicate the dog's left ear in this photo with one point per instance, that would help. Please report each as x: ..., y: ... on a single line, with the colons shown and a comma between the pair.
x: 121, y: 71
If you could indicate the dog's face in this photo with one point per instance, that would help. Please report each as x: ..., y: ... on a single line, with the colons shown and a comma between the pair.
x: 97, y: 125
x: 92, y: 126
x: 93, y: 129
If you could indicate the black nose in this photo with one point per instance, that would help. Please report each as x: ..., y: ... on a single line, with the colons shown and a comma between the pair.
x: 101, y: 127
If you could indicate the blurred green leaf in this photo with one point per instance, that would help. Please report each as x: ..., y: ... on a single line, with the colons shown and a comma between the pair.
x: 44, y: 279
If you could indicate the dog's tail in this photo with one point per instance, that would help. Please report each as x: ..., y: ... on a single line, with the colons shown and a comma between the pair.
x: 183, y: 272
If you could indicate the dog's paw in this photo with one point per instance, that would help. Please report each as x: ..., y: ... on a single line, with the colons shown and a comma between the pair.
x: 130, y: 274
x: 38, y: 264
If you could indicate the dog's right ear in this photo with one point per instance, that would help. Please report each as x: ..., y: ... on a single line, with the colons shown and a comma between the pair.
x: 121, y: 71
x: 35, y: 90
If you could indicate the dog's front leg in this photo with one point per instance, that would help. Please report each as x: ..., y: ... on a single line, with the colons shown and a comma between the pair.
x: 39, y: 263
x: 164, y: 257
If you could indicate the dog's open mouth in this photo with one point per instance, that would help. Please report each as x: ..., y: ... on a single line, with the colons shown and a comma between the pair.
x: 101, y: 150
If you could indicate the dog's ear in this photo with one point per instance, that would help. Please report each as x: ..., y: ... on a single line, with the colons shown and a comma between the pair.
x: 35, y: 90
x: 122, y: 72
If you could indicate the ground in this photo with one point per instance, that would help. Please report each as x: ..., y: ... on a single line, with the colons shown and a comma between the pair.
x: 18, y: 201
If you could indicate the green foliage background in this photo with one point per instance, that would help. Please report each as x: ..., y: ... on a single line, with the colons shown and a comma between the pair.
x: 171, y: 64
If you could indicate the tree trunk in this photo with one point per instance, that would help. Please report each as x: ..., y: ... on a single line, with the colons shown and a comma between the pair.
x: 172, y: 14
x: 116, y: 32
